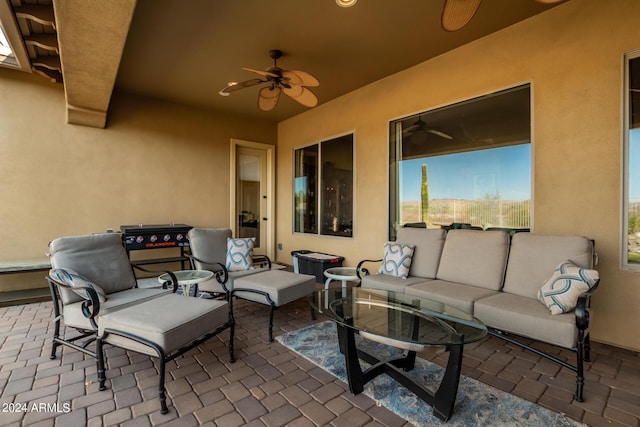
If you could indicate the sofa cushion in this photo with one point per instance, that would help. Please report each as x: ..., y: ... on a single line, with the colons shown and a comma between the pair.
x: 533, y: 256
x: 171, y: 321
x: 456, y: 295
x: 113, y: 273
x: 78, y: 284
x: 212, y: 284
x: 240, y: 253
x: 390, y: 283
x: 396, y: 260
x: 475, y: 257
x: 428, y: 244
x: 72, y: 313
x: 561, y: 290
x: 281, y: 286
x: 527, y: 317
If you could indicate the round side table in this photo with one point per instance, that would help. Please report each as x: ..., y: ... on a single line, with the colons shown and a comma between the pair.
x: 343, y: 274
x: 187, y: 278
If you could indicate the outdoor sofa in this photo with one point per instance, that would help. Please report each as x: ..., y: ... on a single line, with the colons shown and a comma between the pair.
x: 498, y: 278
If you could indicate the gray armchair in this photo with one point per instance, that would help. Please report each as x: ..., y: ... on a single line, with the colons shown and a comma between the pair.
x: 259, y: 284
x: 209, y: 251
x: 94, y: 292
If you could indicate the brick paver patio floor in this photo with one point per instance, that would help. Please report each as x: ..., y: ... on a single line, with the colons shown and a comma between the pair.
x: 268, y: 385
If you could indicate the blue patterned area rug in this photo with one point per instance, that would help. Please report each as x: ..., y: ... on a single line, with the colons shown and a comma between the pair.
x: 477, y: 404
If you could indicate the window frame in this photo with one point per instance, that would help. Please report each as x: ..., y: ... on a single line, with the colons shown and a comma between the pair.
x: 318, y: 187
x: 625, y: 264
x: 391, y: 178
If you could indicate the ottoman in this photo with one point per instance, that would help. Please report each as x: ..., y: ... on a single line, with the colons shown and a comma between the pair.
x: 163, y: 327
x: 274, y: 288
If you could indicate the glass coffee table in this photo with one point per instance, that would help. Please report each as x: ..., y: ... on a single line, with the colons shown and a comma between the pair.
x: 405, y: 322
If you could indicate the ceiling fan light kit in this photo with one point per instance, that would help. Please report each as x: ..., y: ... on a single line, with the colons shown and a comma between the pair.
x: 293, y: 83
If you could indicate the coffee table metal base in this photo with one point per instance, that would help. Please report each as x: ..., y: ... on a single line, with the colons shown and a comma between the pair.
x: 442, y: 401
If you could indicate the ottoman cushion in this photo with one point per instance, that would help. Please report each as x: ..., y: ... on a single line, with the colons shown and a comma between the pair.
x: 171, y: 321
x: 282, y: 286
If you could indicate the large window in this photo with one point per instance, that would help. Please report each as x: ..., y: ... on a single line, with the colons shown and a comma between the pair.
x: 466, y: 165
x: 631, y: 227
x: 323, y: 188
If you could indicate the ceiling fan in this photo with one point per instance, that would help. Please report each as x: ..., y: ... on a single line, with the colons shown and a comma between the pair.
x: 420, y: 127
x: 457, y: 13
x: 293, y: 83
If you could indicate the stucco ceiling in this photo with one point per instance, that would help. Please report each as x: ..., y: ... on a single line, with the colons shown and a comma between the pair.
x: 186, y: 51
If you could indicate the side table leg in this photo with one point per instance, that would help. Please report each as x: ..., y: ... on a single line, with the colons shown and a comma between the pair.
x: 327, y: 282
x: 445, y: 397
x: 186, y: 289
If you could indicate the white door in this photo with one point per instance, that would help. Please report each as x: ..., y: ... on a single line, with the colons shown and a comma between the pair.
x: 252, y: 193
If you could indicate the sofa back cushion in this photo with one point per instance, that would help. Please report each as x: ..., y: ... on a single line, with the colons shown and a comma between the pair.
x: 100, y: 258
x: 428, y: 249
x: 475, y: 257
x: 209, y: 245
x: 534, y: 257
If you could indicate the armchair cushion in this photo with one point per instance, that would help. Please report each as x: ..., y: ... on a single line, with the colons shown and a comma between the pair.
x: 561, y: 290
x: 107, y: 265
x: 240, y: 254
x: 77, y: 283
x: 397, y: 260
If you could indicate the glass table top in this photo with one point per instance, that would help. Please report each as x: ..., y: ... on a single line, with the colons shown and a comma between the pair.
x: 186, y: 277
x: 341, y: 272
x: 398, y: 316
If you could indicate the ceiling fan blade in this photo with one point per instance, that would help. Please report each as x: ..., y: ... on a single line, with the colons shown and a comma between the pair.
x: 261, y: 72
x: 268, y: 98
x: 411, y: 129
x: 301, y: 78
x: 457, y: 13
x: 440, y: 134
x: 301, y: 95
x: 241, y: 85
x: 549, y: 1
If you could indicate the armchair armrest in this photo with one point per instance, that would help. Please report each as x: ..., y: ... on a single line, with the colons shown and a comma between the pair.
x: 165, y: 285
x: 583, y: 308
x: 360, y: 270
x: 219, y: 270
x: 90, y: 303
x: 261, y: 260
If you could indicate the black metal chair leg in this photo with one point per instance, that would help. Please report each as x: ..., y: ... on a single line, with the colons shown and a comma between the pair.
x: 587, y: 348
x: 100, y: 365
x: 55, y: 345
x: 161, y: 390
x: 273, y: 307
x: 579, y: 372
x: 232, y: 331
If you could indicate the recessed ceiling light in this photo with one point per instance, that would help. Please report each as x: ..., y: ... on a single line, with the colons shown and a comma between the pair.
x: 346, y: 3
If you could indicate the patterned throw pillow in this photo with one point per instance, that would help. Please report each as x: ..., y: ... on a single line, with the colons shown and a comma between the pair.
x: 240, y: 254
x: 397, y: 260
x: 560, y: 292
x: 78, y: 284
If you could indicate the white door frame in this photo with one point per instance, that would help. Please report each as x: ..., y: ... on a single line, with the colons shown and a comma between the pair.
x: 269, y: 245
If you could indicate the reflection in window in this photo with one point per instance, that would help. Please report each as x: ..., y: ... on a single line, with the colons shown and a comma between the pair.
x: 464, y: 165
x: 332, y: 213
x: 305, y: 190
x: 632, y: 163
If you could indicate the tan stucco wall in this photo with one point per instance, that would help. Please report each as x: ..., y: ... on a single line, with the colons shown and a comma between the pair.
x: 155, y: 163
x: 573, y: 57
